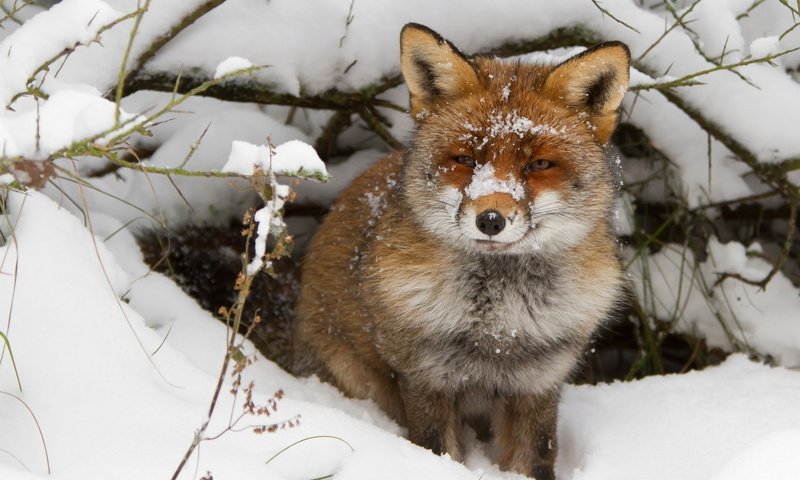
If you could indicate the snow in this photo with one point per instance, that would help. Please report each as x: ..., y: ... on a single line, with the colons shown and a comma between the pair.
x: 773, y: 456
x: 484, y: 182
x: 118, y: 364
x: 231, y: 65
x: 117, y: 403
x: 67, y: 24
x: 65, y: 118
x: 268, y: 219
x: 764, y: 46
x: 290, y: 158
x: 691, y: 426
x: 509, y: 124
x: 762, y: 319
x: 316, y: 58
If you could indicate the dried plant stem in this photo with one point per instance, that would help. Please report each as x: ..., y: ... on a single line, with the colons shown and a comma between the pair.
x: 11, y: 355
x: 237, y: 311
x: 38, y: 427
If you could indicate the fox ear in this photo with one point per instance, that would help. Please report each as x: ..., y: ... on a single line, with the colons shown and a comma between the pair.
x: 593, y: 81
x: 434, y: 69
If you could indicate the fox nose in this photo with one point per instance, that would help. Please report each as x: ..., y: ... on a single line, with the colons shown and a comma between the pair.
x: 490, y: 222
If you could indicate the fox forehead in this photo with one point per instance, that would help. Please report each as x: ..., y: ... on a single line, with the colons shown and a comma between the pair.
x: 507, y: 111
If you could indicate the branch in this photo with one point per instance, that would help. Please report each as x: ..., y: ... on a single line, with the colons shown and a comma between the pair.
x: 606, y: 12
x: 688, y: 80
x: 375, y: 124
x: 45, y: 67
x: 769, y: 174
x: 253, y: 91
x: 787, y: 248
x: 678, y: 21
x: 316, y: 176
x: 326, y: 144
x: 256, y: 92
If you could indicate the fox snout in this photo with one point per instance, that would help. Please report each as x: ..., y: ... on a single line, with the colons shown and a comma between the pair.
x: 493, y: 213
x: 490, y: 222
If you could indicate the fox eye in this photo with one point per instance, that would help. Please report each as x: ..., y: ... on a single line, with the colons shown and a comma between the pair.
x: 464, y: 160
x: 537, y: 165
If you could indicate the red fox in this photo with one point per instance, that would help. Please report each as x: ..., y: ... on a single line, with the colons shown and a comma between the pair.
x: 462, y: 278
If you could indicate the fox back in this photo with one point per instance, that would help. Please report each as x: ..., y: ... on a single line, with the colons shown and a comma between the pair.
x: 462, y: 278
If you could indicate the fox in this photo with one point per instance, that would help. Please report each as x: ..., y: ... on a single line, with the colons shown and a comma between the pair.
x: 458, y: 281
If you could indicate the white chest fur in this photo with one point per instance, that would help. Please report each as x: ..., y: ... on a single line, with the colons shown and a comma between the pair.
x: 496, y: 323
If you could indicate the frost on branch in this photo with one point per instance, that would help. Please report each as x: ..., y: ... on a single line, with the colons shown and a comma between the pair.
x: 293, y: 158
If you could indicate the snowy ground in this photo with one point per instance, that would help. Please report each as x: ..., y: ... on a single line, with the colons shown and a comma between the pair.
x: 108, y: 410
x: 117, y: 365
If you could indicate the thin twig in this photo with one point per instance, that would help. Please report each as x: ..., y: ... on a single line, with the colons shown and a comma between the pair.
x: 606, y: 12
x: 678, y: 22
x: 688, y: 80
x: 123, y: 67
x: 784, y: 255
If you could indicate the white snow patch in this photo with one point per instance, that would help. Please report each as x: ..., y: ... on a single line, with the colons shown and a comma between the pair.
x: 67, y: 117
x: 268, y: 218
x: 485, y: 183
x: 764, y: 46
x: 291, y: 158
x: 230, y: 65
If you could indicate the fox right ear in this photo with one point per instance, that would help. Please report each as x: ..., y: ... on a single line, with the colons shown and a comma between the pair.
x: 434, y: 69
x: 594, y: 81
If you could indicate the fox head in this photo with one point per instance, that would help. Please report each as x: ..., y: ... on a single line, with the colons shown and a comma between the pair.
x: 510, y: 157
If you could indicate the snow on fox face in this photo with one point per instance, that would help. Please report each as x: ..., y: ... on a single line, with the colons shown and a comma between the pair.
x: 506, y: 175
x: 509, y: 157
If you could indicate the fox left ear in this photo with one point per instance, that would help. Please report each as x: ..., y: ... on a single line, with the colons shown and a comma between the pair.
x: 434, y: 69
x: 593, y: 81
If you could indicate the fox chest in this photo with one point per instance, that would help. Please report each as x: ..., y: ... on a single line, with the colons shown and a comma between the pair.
x: 498, y: 326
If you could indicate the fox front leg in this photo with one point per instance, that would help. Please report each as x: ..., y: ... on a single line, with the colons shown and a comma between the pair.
x: 432, y: 419
x: 528, y: 434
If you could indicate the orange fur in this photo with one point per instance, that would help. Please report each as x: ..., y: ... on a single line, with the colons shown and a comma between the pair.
x: 409, y: 297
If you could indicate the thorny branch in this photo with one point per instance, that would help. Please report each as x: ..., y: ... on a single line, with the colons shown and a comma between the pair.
x: 11, y: 13
x: 156, y: 45
x: 45, y: 67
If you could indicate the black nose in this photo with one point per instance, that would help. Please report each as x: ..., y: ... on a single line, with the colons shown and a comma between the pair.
x: 490, y: 222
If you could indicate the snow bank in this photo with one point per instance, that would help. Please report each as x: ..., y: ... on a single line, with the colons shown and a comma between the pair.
x: 697, y: 425
x: 110, y: 407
